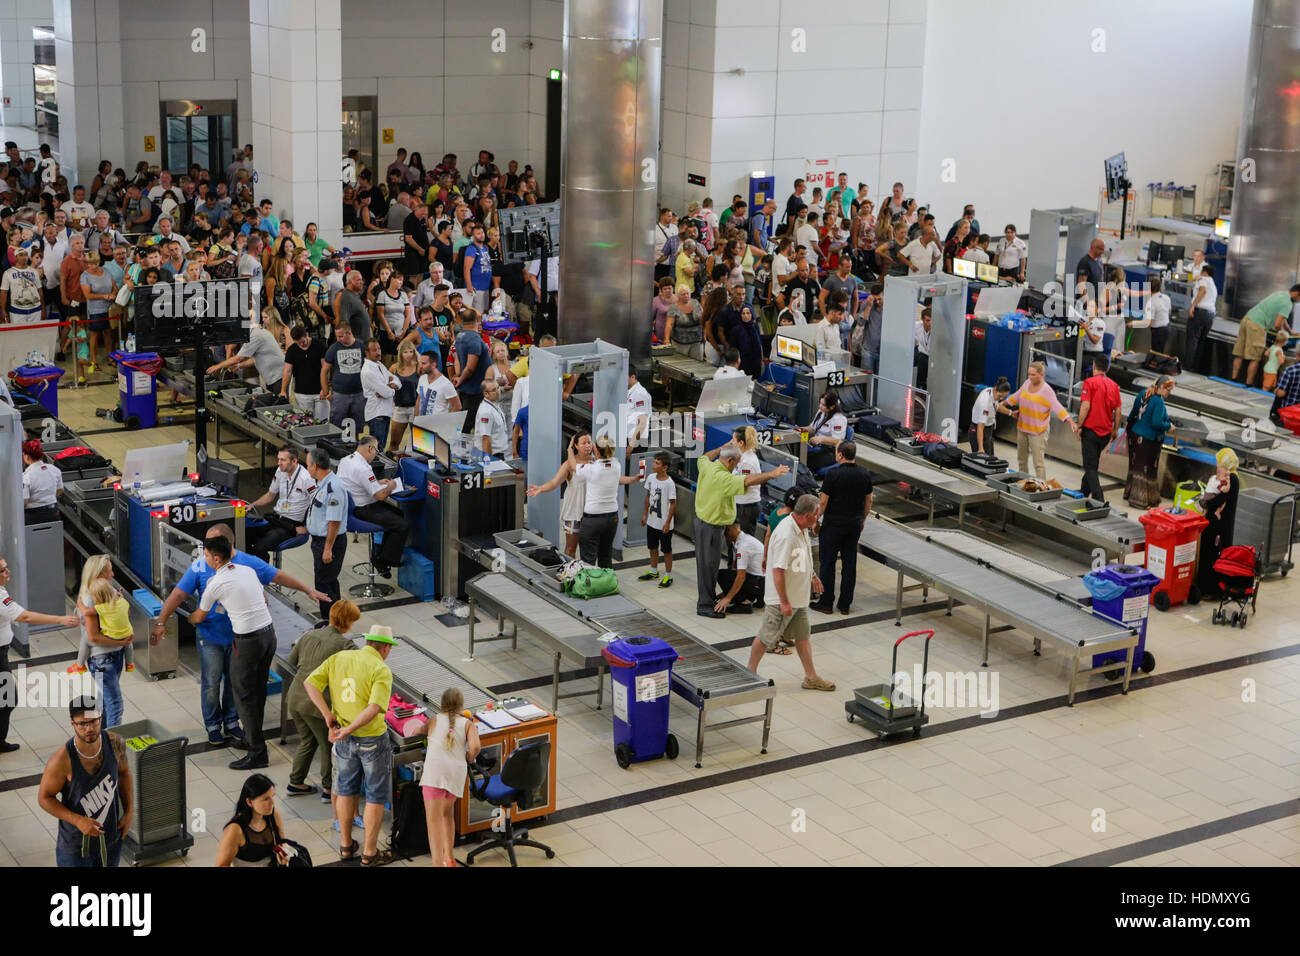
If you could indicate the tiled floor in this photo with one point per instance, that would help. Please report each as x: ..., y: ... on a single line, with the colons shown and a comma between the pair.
x: 1024, y: 787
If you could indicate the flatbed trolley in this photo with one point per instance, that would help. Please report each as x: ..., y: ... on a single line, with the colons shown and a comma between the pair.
x: 886, y: 710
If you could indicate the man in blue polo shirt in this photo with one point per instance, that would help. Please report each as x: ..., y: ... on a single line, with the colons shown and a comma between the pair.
x: 216, y: 638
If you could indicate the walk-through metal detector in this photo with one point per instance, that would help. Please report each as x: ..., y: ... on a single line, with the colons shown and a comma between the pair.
x: 547, y: 447
x: 13, y: 536
x: 904, y: 298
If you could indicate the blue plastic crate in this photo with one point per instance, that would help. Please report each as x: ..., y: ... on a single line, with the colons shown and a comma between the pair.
x: 418, y: 574
x: 273, y: 684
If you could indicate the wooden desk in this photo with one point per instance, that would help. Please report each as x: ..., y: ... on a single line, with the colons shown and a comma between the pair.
x: 473, y: 815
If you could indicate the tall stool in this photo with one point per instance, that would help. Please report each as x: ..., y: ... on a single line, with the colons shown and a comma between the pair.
x: 372, y: 588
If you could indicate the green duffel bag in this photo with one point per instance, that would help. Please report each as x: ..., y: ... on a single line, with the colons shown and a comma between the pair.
x: 592, y: 583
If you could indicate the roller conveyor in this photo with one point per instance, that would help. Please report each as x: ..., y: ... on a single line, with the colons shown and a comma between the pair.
x: 1034, y: 573
x: 999, y: 596
x: 939, y: 483
x: 571, y: 629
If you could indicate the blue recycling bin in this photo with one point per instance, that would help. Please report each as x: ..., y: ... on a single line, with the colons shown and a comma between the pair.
x: 137, y: 385
x: 1122, y: 593
x: 40, y: 382
x: 640, y: 671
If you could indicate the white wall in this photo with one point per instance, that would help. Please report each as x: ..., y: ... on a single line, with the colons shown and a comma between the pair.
x: 854, y: 95
x: 158, y: 63
x: 441, y: 88
x: 17, y: 17
x: 1016, y: 98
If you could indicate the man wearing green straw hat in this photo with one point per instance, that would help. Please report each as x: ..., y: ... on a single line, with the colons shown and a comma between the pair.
x: 360, y: 686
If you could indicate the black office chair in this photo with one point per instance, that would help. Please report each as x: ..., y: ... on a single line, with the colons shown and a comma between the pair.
x: 522, y: 774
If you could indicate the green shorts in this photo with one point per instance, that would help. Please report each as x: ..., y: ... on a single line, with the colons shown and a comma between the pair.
x: 776, y: 627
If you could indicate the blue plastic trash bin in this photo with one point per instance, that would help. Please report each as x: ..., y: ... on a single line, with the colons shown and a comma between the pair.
x: 138, y: 389
x: 1122, y: 592
x: 640, y: 671
x: 41, y: 382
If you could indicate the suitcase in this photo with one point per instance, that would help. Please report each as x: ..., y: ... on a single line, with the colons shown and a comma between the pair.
x: 876, y: 426
x: 983, y: 464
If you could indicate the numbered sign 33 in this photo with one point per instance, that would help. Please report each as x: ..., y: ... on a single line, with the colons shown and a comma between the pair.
x: 835, y: 379
x: 181, y: 514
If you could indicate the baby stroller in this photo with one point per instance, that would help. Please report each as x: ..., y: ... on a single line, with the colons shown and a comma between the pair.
x: 1238, y: 572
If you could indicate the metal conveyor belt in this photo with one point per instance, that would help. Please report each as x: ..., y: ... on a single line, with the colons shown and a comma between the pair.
x: 997, y: 596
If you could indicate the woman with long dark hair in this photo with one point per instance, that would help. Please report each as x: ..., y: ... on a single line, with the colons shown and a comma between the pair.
x: 252, y: 837
x: 1148, y: 424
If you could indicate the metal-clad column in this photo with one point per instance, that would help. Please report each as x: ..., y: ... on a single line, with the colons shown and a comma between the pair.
x: 1264, y: 247
x: 13, y: 531
x: 609, y: 175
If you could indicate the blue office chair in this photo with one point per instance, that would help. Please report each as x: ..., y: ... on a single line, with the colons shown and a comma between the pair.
x: 295, y: 542
x: 520, y: 776
x: 371, y: 589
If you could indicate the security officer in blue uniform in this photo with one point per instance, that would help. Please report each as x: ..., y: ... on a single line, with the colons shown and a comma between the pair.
x: 327, y: 517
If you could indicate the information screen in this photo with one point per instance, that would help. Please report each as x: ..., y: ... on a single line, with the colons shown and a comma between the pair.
x: 964, y: 268
x: 789, y: 348
x: 986, y: 272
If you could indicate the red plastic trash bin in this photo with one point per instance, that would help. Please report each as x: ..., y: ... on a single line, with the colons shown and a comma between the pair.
x: 1290, y: 416
x: 1172, y: 538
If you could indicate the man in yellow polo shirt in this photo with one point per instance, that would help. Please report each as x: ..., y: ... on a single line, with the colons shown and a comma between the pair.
x: 360, y: 686
x: 520, y: 368
x: 715, y: 509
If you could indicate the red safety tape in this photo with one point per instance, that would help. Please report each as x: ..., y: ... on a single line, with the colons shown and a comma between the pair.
x: 38, y: 325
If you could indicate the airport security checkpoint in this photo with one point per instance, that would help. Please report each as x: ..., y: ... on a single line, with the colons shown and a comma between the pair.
x: 620, y: 508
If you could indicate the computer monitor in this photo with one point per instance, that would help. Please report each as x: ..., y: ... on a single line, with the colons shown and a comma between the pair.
x: 222, y: 475
x: 965, y: 268
x: 1171, y: 254
x: 986, y: 272
x: 791, y: 348
x: 772, y: 404
x: 1154, y: 252
x: 1223, y: 228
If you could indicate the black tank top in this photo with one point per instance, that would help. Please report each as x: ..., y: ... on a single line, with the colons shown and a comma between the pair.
x: 93, y: 796
x: 405, y: 396
x: 259, y: 845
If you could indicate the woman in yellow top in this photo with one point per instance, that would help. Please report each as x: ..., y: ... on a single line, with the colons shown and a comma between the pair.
x: 111, y: 608
x: 1035, y: 404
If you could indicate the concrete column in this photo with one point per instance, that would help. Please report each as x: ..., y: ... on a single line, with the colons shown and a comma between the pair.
x: 17, y: 17
x: 88, y: 52
x: 610, y: 177
x: 297, y: 70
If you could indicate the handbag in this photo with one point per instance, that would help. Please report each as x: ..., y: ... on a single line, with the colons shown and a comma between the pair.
x: 123, y: 296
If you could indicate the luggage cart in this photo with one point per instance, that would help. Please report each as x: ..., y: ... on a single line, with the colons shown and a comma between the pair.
x: 887, y: 711
x: 1267, y: 522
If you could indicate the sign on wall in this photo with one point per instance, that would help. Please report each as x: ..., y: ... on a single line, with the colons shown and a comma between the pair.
x: 388, y: 136
x: 1108, y: 215
x: 820, y: 172
x: 148, y: 144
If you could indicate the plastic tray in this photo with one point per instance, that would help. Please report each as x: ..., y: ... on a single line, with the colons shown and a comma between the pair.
x: 910, y: 448
x: 1083, y: 509
x: 876, y: 698
x: 305, y: 433
x: 1006, y: 482
x: 1235, y: 437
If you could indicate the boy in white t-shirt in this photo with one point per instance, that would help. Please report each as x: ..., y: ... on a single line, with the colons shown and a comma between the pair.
x: 657, y: 516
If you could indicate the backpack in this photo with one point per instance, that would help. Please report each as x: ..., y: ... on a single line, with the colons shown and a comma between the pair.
x: 592, y: 583
x: 410, y: 834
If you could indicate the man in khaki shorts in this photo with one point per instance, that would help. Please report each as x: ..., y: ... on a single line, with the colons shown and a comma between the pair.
x: 789, y: 583
x: 1272, y: 314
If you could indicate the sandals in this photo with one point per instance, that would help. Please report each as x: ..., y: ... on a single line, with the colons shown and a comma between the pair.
x: 817, y: 683
x: 349, y: 852
x: 381, y: 858
x: 782, y: 649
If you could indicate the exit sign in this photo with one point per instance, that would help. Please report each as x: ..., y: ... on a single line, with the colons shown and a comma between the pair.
x: 555, y: 74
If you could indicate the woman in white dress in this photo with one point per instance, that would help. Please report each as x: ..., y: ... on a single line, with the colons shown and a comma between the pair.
x: 453, y: 741
x: 581, y: 451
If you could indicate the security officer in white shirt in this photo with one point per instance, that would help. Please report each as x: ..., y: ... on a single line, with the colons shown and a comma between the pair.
x: 12, y: 612
x: 730, y: 367
x: 742, y: 583
x: 1012, y: 253
x: 327, y: 523
x: 636, y: 412
x: 240, y: 593
x: 42, y: 484
x: 368, y: 493
x: 291, y: 489
x: 491, y: 429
